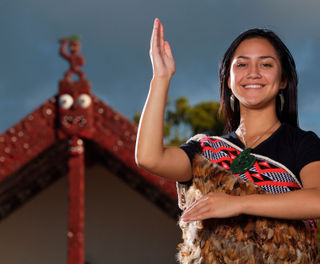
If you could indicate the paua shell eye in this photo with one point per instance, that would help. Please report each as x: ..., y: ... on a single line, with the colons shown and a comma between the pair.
x: 84, y: 100
x: 65, y: 101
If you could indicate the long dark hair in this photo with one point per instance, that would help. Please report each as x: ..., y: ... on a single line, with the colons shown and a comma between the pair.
x: 289, y: 114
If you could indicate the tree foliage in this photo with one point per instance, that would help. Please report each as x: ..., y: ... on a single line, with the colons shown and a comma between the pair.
x: 183, y: 120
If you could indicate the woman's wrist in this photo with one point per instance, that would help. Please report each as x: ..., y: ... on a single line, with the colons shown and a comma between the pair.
x: 244, y: 203
x: 161, y: 79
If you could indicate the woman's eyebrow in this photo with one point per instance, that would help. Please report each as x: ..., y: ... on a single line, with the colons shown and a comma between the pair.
x: 260, y: 57
x: 242, y: 57
x: 267, y: 57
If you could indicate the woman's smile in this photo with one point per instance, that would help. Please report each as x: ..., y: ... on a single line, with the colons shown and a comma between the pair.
x: 253, y: 86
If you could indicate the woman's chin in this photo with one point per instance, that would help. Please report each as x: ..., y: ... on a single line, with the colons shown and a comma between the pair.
x: 256, y: 105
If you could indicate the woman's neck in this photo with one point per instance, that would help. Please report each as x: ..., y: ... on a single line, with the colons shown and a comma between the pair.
x: 255, y: 123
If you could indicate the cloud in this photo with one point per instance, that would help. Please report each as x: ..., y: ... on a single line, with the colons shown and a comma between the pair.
x: 115, y: 38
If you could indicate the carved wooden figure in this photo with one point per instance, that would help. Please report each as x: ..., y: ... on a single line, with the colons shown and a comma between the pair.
x: 75, y: 115
x: 75, y: 59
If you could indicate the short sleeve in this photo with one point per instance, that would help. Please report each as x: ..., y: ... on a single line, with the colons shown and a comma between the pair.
x: 308, y: 150
x: 191, y: 148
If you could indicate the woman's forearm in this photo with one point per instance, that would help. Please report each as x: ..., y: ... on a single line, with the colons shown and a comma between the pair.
x: 149, y: 146
x: 300, y: 204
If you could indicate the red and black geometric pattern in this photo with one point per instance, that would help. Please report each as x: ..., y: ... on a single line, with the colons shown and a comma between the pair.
x: 267, y: 174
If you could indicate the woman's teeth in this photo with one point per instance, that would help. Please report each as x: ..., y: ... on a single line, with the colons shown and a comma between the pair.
x: 253, y: 86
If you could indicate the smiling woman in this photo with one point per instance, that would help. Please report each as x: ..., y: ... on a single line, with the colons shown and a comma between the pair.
x: 263, y: 144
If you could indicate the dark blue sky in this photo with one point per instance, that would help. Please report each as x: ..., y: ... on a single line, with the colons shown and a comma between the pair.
x: 115, y: 39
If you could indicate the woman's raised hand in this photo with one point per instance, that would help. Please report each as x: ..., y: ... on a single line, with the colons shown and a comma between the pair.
x: 160, y: 53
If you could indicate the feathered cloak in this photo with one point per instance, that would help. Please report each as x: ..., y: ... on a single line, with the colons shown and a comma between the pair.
x: 245, y: 238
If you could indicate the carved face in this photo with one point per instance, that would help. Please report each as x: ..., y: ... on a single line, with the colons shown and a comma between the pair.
x: 75, y: 109
x: 75, y: 47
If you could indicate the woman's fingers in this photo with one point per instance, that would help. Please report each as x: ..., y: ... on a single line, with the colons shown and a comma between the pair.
x: 157, y: 39
x: 161, y: 38
x: 154, y: 35
x: 197, y: 204
x: 200, y: 210
x: 197, y: 213
x: 202, y: 214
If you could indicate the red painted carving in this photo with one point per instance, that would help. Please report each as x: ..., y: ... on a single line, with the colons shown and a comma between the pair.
x: 27, y: 139
x: 75, y: 59
x: 75, y: 97
x: 75, y: 115
x: 75, y: 110
x: 76, y: 203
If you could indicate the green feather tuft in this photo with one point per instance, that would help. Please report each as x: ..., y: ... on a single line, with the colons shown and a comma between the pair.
x: 74, y: 38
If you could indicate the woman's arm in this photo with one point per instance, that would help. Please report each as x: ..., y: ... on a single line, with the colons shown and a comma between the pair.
x: 169, y: 162
x: 300, y: 204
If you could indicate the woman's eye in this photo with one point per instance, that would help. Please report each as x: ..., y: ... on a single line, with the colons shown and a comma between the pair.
x: 239, y: 65
x: 268, y: 65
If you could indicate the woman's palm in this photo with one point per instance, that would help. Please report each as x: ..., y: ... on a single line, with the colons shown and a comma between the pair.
x: 160, y: 53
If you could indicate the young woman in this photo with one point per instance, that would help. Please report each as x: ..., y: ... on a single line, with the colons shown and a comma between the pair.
x: 258, y: 85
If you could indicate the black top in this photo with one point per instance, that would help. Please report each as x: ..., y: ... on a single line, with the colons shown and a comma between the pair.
x: 291, y: 146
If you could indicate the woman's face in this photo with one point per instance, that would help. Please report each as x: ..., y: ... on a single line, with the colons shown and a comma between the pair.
x: 255, y: 74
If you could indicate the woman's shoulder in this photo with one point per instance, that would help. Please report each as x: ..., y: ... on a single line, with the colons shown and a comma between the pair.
x: 305, y: 145
x: 298, y: 135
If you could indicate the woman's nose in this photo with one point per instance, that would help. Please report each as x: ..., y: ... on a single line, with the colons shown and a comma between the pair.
x: 253, y: 72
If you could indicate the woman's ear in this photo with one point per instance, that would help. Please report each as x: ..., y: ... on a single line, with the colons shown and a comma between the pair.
x: 283, y: 84
x: 229, y: 82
